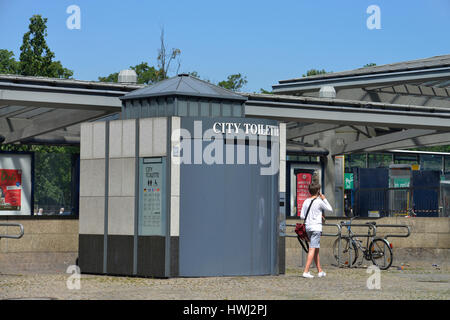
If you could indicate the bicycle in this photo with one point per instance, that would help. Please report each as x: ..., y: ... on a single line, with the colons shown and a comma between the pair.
x: 377, y: 250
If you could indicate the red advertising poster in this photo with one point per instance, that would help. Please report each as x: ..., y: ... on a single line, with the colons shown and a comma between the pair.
x: 10, y: 189
x: 303, y: 181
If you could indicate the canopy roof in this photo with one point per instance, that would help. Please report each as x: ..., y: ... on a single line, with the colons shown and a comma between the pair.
x: 423, y: 82
x: 49, y: 110
x: 395, y: 106
x: 392, y: 106
x: 412, y: 65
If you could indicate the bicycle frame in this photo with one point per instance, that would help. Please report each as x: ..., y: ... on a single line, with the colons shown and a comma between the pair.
x: 358, y: 243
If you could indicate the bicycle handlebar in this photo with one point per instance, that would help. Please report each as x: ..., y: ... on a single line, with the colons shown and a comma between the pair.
x: 349, y: 222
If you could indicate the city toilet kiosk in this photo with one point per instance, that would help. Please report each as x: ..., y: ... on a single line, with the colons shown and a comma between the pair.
x: 183, y: 185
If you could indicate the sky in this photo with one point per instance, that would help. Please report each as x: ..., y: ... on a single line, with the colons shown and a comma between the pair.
x: 266, y: 41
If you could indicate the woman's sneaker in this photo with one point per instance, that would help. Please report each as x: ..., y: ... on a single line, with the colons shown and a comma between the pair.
x: 307, y: 275
x: 321, y: 274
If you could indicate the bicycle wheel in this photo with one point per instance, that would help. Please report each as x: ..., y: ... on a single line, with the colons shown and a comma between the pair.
x: 381, y: 253
x: 349, y: 254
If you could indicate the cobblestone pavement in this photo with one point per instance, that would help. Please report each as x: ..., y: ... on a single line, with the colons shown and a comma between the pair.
x: 414, y: 282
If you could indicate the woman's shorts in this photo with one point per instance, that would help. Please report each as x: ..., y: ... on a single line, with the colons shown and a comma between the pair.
x: 314, y: 238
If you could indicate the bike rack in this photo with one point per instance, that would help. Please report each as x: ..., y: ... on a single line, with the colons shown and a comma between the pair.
x: 337, y: 234
x: 14, y: 236
x: 374, y: 227
x: 338, y: 226
x: 396, y: 226
x: 371, y: 226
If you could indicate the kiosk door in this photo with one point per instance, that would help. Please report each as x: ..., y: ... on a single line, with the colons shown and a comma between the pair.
x: 152, y: 217
x: 152, y: 220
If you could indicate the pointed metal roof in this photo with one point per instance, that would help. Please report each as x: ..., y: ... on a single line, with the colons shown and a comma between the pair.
x: 183, y: 85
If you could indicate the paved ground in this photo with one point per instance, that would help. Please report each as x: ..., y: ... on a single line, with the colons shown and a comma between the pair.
x: 414, y: 282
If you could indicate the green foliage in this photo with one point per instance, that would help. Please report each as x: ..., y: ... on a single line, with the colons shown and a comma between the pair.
x: 39, y: 148
x: 146, y: 74
x: 355, y: 160
x: 369, y: 65
x: 165, y: 58
x: 7, y: 62
x: 164, y: 61
x: 434, y: 149
x: 314, y: 72
x: 113, y: 77
x: 194, y: 74
x: 265, y: 91
x: 53, y: 176
x: 36, y: 58
x: 234, y: 82
x: 56, y: 70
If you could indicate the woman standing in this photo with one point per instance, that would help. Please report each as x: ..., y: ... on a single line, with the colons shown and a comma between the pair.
x: 316, y: 205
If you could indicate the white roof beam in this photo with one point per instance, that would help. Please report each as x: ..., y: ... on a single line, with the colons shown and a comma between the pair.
x: 363, y: 145
x: 310, y: 129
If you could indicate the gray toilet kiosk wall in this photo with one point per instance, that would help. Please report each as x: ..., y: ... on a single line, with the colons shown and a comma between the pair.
x: 144, y: 212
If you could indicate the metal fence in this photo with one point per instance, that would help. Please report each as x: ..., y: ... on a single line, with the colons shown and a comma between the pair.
x: 391, y: 202
x: 445, y: 198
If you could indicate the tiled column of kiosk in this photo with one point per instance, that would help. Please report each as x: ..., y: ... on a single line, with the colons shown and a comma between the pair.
x: 175, y: 197
x: 121, y: 197
x: 92, y: 197
x: 282, y: 190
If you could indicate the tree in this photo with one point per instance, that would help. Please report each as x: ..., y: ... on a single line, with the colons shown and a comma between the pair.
x: 113, y: 77
x: 166, y: 58
x: 194, y: 74
x: 444, y: 148
x: 36, y: 58
x: 234, y: 82
x: 7, y: 62
x: 265, y: 91
x: 314, y: 72
x: 58, y: 71
x: 369, y: 65
x: 145, y: 73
